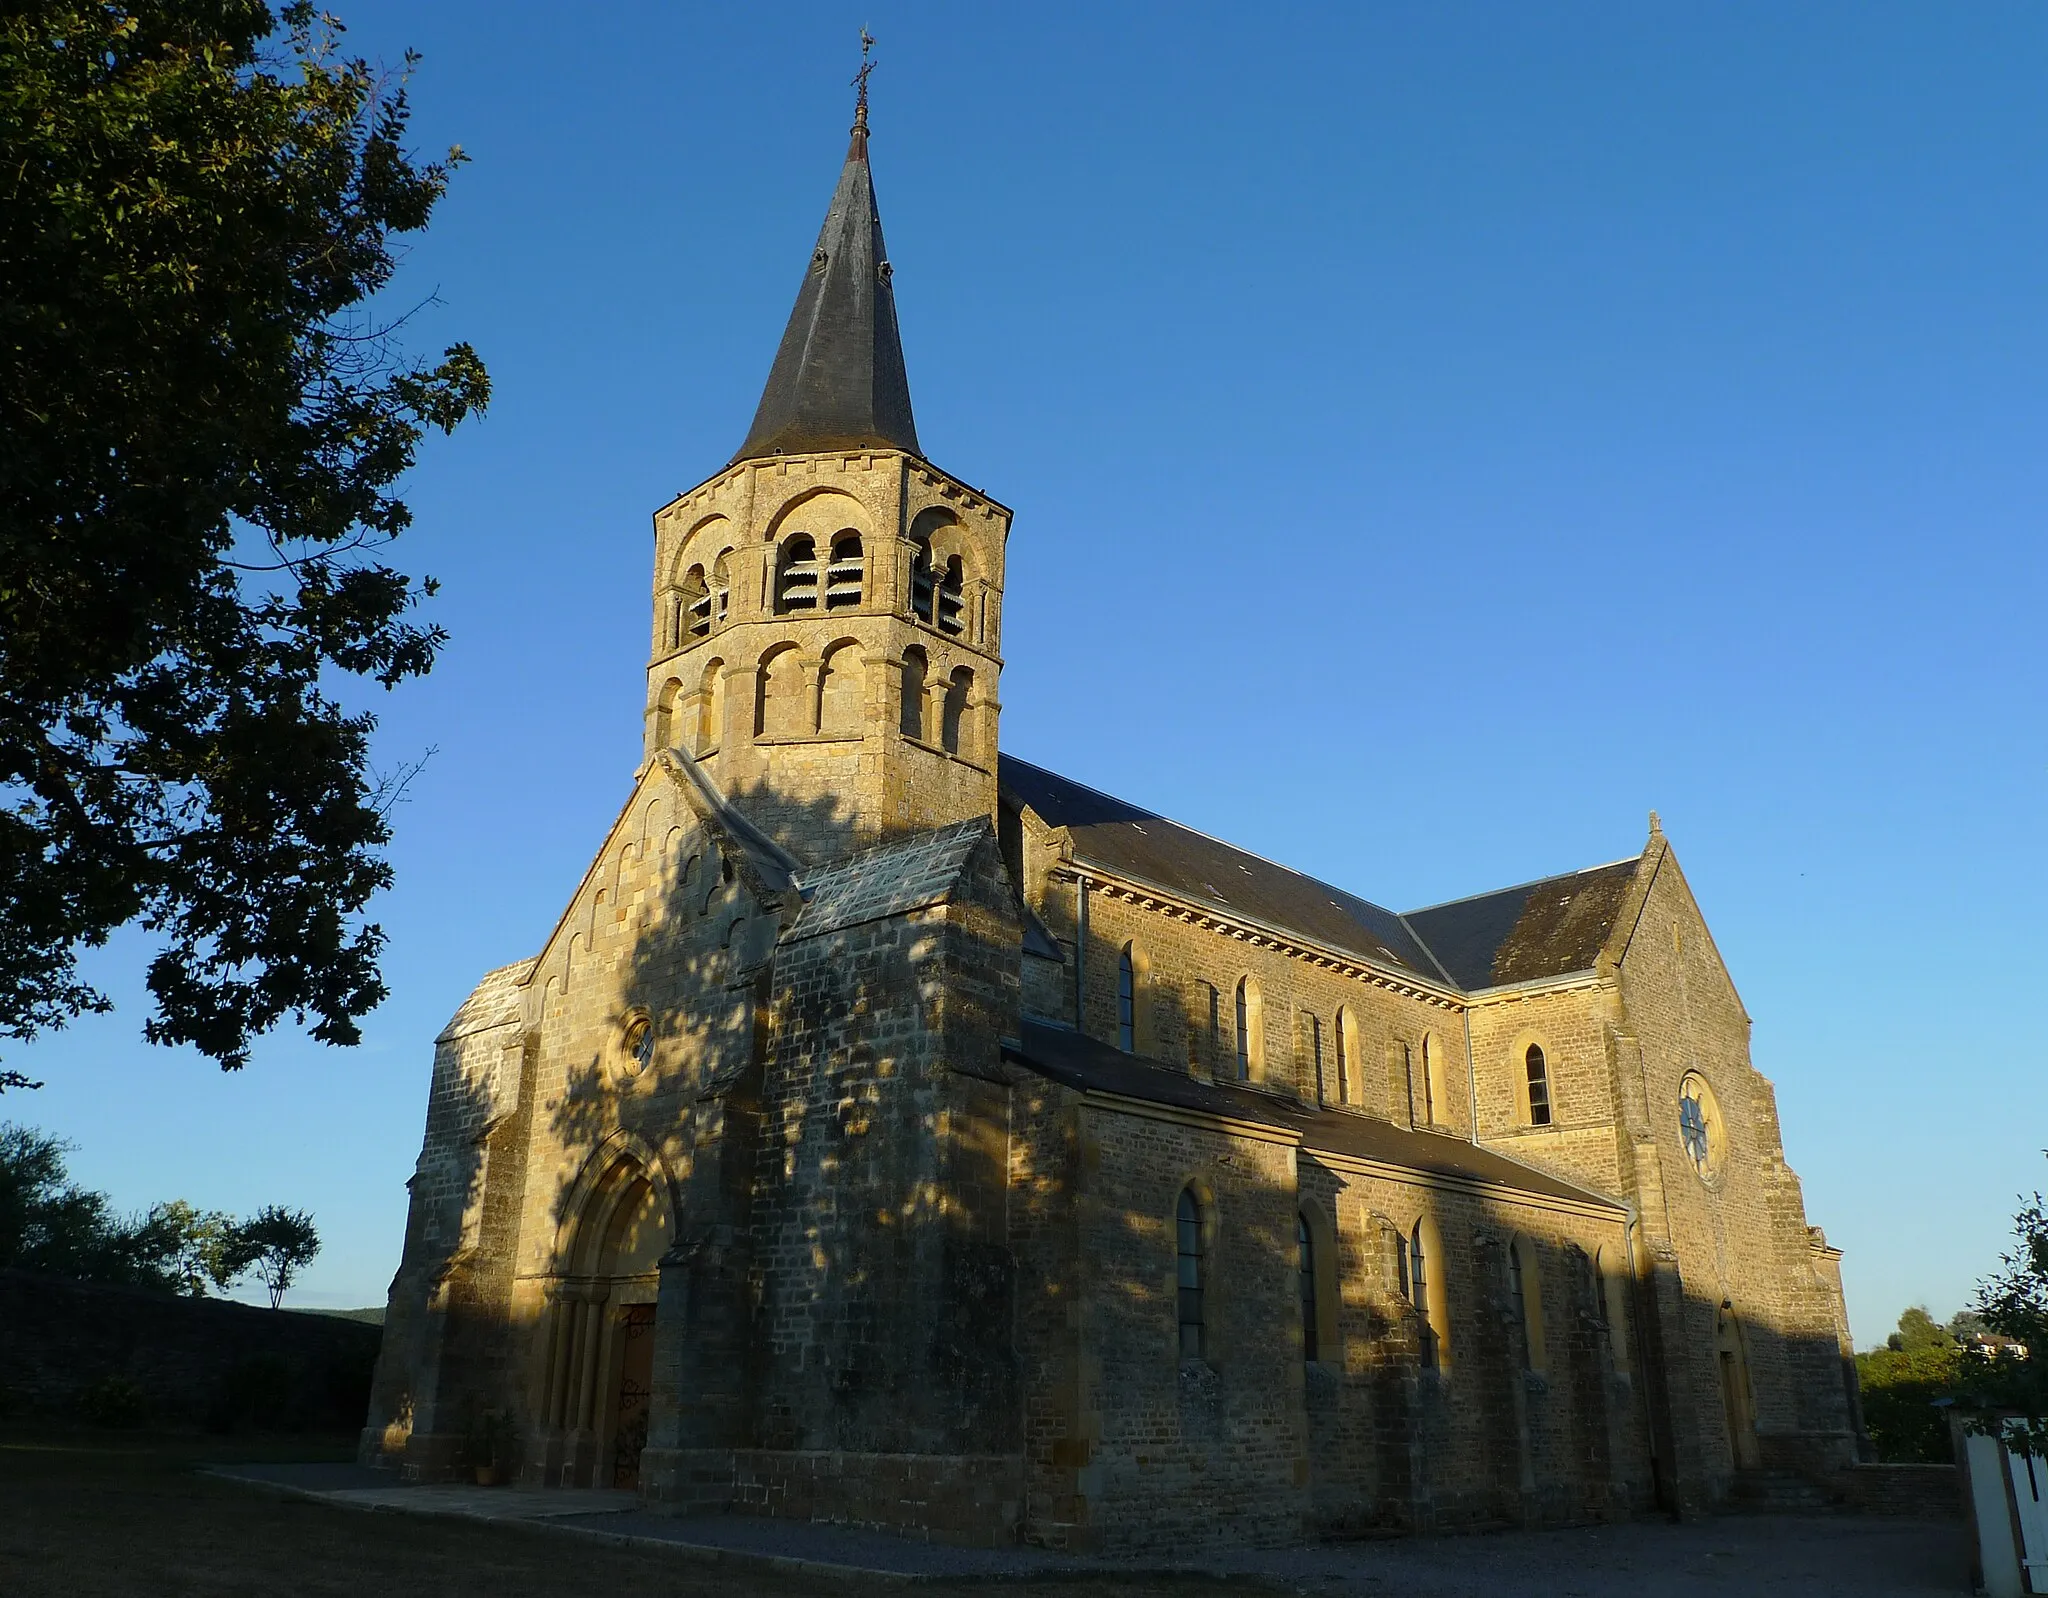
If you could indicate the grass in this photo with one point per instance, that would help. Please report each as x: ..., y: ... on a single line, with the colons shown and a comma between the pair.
x: 94, y: 1514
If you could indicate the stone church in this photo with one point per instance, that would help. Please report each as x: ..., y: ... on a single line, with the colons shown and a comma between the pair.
x: 897, y: 1132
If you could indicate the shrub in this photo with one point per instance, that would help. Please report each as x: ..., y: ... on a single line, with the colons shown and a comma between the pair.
x: 1899, y: 1390
x: 113, y: 1401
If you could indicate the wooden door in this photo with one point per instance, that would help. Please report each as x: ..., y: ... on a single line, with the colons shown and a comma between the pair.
x: 636, y: 1385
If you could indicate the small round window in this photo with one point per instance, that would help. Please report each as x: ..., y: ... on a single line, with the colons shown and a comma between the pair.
x: 636, y: 1045
x: 1699, y: 1124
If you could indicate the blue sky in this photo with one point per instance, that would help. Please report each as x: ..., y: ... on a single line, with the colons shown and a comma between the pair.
x: 1438, y: 435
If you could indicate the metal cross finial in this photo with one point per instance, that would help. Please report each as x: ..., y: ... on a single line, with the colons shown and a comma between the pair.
x: 860, y: 79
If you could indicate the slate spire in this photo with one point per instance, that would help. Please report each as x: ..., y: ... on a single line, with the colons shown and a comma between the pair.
x: 838, y: 380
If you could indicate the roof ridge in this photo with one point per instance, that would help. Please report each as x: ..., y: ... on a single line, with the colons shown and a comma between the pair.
x: 1221, y: 843
x: 1516, y: 887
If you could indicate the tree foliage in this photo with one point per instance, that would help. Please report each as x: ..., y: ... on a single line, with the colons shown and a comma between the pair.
x: 1903, y: 1383
x: 2013, y: 1302
x: 207, y: 1251
x: 204, y: 413
x: 48, y: 1223
x: 277, y: 1244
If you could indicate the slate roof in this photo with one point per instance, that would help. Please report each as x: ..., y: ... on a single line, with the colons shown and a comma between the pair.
x: 1540, y: 929
x: 493, y: 1002
x: 1080, y: 1062
x: 1145, y: 846
x: 888, y: 880
x: 838, y: 381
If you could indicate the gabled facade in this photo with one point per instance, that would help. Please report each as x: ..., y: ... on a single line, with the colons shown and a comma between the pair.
x: 894, y: 1131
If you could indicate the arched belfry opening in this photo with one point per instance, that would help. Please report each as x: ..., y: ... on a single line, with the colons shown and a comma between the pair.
x: 600, y: 1365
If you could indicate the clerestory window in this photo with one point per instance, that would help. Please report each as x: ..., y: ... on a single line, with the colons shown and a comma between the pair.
x: 1539, y: 1085
x: 1126, y: 1002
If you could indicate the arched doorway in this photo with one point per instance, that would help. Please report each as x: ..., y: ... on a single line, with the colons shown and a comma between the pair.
x: 601, y: 1348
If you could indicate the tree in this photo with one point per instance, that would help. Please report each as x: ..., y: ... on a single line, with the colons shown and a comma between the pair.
x: 204, y: 410
x: 204, y: 1250
x: 2014, y: 1303
x: 277, y: 1243
x: 1901, y: 1383
x: 1918, y: 1332
x: 48, y: 1223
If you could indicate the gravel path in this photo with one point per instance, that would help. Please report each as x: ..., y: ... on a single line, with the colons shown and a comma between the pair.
x: 1810, y: 1556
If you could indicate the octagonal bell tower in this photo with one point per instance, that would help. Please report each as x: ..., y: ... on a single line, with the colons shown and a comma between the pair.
x: 828, y: 608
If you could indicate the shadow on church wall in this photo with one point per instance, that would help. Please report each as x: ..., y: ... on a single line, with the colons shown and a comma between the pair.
x: 857, y: 1231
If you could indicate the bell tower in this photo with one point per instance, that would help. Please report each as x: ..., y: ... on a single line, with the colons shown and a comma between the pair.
x: 827, y: 632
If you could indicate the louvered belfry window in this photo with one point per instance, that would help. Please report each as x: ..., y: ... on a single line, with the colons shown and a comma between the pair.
x: 846, y: 573
x: 951, y: 605
x: 796, y: 586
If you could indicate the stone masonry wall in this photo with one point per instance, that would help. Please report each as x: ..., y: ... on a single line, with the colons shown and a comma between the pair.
x: 1733, y: 1245
x: 1132, y: 1447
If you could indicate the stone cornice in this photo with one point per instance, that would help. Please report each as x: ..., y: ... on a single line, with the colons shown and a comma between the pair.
x: 970, y: 497
x: 1256, y: 933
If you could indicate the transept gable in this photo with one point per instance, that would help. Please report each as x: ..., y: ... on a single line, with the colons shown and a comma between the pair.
x: 1667, y: 910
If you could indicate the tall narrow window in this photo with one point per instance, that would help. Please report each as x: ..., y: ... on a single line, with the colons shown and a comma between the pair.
x: 1428, y: 1084
x: 1244, y: 1030
x: 1418, y: 1295
x: 1343, y: 1057
x: 710, y: 706
x: 1401, y: 1268
x: 1126, y: 1002
x: 912, y: 718
x: 956, y: 732
x: 796, y: 581
x: 843, y: 576
x: 1525, y: 1287
x: 1188, y: 1237
x: 1305, y: 1247
x: 1539, y: 1086
x: 1315, y: 1054
x: 1518, y: 1309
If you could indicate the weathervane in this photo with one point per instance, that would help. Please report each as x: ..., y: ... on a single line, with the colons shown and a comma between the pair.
x: 860, y: 80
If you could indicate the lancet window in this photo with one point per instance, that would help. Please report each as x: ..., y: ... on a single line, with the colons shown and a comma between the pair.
x: 1539, y: 1085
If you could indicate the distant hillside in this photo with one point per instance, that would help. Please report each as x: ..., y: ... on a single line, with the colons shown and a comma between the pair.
x: 374, y: 1317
